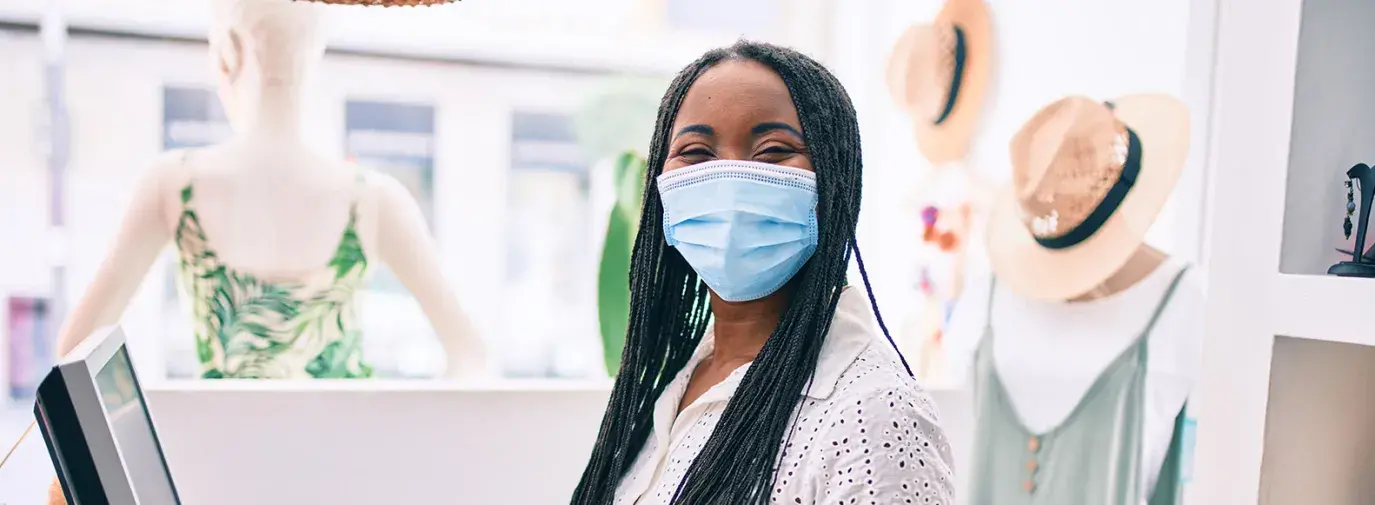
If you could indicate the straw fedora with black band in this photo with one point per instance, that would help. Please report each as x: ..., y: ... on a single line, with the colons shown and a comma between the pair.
x: 1089, y: 179
x: 938, y: 73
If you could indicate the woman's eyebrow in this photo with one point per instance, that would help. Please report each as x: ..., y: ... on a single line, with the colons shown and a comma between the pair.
x: 696, y: 128
x: 766, y: 127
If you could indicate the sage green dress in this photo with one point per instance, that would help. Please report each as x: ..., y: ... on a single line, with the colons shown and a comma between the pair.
x: 1093, y: 457
x: 246, y: 327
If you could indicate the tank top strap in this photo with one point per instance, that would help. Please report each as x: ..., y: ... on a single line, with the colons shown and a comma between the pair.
x: 187, y: 190
x: 1155, y: 315
x: 359, y: 183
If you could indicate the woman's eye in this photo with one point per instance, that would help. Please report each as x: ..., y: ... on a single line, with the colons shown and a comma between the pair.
x: 777, y: 150
x: 695, y: 153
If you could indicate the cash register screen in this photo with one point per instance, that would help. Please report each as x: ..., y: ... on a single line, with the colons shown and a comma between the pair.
x: 133, y: 431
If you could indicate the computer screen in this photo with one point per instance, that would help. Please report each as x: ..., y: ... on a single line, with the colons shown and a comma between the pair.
x: 133, y: 430
x: 100, y: 435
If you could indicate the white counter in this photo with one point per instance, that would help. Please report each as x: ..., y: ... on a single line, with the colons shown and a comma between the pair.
x: 385, y: 442
x: 376, y: 442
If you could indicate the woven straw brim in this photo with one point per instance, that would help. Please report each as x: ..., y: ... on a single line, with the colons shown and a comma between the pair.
x: 950, y: 140
x: 1023, y: 265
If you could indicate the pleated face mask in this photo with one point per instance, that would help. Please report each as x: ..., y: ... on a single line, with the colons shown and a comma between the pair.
x: 745, y: 227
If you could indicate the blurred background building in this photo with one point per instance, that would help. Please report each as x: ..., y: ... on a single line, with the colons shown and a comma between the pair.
x: 494, y: 113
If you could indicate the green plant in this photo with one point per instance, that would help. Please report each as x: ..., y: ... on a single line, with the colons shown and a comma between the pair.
x: 613, y: 275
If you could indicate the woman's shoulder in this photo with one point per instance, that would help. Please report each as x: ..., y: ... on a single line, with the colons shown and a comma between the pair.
x: 877, y: 436
x: 878, y: 378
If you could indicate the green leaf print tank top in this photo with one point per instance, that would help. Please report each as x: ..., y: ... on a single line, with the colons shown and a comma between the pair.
x: 249, y: 328
x: 1093, y: 457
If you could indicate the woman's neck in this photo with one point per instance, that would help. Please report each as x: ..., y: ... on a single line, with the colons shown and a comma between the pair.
x: 741, y: 328
x: 1141, y: 264
x: 277, y: 114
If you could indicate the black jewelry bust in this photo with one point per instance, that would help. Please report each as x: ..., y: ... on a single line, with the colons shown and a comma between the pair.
x: 1364, y: 178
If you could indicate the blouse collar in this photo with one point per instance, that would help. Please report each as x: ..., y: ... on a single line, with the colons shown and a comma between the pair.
x: 852, y: 331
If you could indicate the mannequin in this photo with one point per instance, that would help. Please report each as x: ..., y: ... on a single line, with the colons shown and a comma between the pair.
x: 270, y: 207
x: 1083, y: 342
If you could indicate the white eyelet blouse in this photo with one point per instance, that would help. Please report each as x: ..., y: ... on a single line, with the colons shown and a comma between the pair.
x: 866, y: 433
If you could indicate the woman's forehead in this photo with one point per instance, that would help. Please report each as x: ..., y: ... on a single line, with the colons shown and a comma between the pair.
x: 737, y: 92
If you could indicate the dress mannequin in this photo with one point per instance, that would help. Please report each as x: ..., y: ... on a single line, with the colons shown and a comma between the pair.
x: 272, y: 207
x: 1048, y: 372
x: 1083, y: 342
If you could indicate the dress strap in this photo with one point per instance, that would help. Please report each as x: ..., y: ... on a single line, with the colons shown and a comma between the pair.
x: 985, y: 342
x: 1142, y: 342
x: 988, y: 307
x: 1165, y: 300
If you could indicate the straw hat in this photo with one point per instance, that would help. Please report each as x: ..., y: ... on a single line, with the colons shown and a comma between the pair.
x: 938, y: 73
x: 1088, y: 180
x: 383, y: 3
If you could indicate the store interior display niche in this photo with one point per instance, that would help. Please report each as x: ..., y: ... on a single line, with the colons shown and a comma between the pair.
x: 1331, y: 133
x: 1359, y: 177
x: 1318, y: 422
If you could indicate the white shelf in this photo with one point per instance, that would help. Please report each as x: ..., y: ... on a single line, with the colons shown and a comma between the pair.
x: 1323, y: 307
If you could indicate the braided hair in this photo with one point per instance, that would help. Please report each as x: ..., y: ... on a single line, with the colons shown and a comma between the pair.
x: 670, y: 305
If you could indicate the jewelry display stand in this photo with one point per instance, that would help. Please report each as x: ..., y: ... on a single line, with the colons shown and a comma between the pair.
x: 1363, y: 177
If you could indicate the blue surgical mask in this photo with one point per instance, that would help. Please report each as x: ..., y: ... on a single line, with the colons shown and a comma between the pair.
x: 745, y: 227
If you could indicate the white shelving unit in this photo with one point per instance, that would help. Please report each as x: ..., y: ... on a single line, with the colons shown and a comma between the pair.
x: 1323, y: 308
x: 1286, y: 403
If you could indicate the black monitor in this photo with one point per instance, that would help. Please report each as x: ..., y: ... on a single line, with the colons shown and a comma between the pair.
x: 100, y: 435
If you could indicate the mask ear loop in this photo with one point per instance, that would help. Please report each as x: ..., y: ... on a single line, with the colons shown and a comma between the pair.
x: 873, y: 302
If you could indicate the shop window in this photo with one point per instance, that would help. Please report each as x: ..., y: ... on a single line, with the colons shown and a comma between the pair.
x: 30, y: 329
x: 396, y: 139
x: 549, y: 245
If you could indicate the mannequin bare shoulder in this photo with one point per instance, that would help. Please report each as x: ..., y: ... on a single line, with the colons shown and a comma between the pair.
x: 145, y: 230
x: 404, y: 243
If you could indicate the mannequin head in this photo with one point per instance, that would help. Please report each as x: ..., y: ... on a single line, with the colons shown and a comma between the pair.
x: 261, y: 51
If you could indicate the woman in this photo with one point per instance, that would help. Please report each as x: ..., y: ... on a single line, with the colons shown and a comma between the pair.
x: 751, y: 372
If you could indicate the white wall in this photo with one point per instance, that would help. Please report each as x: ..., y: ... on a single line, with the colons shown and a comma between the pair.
x: 1333, y: 129
x: 24, y: 199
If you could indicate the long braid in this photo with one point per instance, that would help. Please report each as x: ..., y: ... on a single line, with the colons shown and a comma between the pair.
x: 670, y: 306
